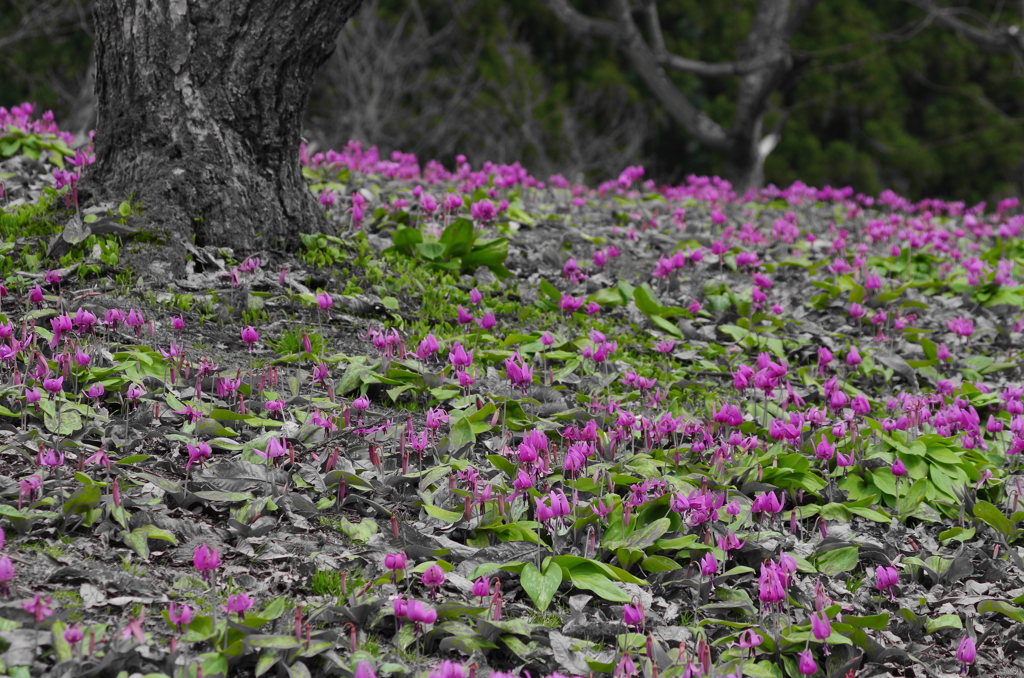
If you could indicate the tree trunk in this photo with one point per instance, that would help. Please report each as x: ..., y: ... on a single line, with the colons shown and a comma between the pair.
x: 200, y: 106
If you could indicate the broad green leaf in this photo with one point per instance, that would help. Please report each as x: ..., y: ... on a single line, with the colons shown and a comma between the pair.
x: 442, y: 514
x: 599, y: 584
x: 837, y: 561
x: 990, y: 514
x: 541, y: 587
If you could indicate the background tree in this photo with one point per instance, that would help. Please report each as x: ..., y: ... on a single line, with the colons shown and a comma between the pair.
x: 200, y: 106
x: 763, y: 61
x: 881, y: 94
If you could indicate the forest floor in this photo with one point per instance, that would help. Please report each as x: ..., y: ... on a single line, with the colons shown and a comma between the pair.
x: 629, y: 431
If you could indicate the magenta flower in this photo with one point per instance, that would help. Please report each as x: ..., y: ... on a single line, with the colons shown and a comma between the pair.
x: 807, y: 664
x: 113, y: 317
x: 481, y: 588
x: 365, y: 670
x: 420, y: 613
x: 324, y: 302
x: 750, y: 640
x: 73, y: 635
x: 193, y: 415
x: 53, y: 384
x: 961, y: 327
x: 361, y: 403
x: 966, y: 653
x: 487, y: 321
x: 633, y: 615
x: 179, y: 616
x: 96, y: 390
x: 428, y: 347
x: 238, y: 603
x: 434, y: 578
x: 50, y: 458
x: 320, y: 372
x: 459, y: 358
x: 250, y: 336
x: 135, y: 321
x: 100, y: 458
x: 483, y: 210
x: 821, y: 627
x: 899, y: 468
x: 35, y: 295
x: 30, y: 487
x: 197, y: 454
x: 570, y: 304
x: 84, y: 320
x: 448, y: 669
x: 395, y: 561
x: 206, y: 560
x: 274, y: 450
x: 6, y: 576
x: 886, y: 579
x: 38, y: 607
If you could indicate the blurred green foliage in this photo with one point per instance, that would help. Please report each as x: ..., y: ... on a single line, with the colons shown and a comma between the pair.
x: 876, y: 100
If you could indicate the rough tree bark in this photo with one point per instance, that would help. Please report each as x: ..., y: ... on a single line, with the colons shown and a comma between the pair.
x: 762, y: 65
x: 200, y: 106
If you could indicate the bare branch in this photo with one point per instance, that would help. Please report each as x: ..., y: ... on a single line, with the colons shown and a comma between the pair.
x: 996, y: 38
x: 581, y: 24
x: 654, y: 28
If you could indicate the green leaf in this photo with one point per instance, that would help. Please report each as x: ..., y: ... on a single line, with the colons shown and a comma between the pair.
x: 668, y: 326
x: 541, y: 587
x: 457, y: 238
x: 442, y: 514
x: 1003, y: 608
x: 84, y: 499
x: 641, y: 538
x: 550, y: 291
x: 837, y: 560
x: 644, y: 298
x: 461, y: 435
x: 945, y: 621
x: 990, y: 514
x: 64, y: 421
x: 599, y: 584
x: 659, y: 564
x: 275, y: 642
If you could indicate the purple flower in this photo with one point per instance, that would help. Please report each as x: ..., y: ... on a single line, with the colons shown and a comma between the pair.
x: 365, y: 670
x: 899, y: 468
x: 887, y: 578
x: 38, y: 607
x: 395, y: 561
x: 961, y: 327
x: 274, y: 449
x: 179, y: 616
x: 821, y: 627
x: 448, y: 669
x: 428, y: 346
x: 420, y: 613
x: 6, y: 576
x: 50, y: 458
x: 807, y: 664
x: 433, y: 577
x: 966, y: 653
x: 633, y: 614
x: 250, y: 336
x: 73, y: 635
x: 206, y: 560
x: 238, y: 602
x: 96, y: 390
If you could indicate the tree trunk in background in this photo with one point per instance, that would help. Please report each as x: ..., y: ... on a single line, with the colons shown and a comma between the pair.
x: 200, y: 106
